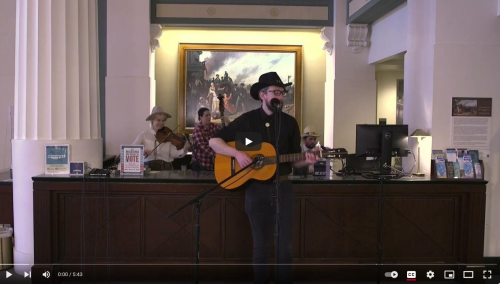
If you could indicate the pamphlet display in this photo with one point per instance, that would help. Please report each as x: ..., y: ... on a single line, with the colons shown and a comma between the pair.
x: 457, y: 164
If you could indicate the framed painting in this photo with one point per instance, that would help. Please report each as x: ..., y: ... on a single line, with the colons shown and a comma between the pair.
x: 209, y: 71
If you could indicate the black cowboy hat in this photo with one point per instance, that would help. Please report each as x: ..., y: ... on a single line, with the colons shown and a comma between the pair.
x: 266, y: 80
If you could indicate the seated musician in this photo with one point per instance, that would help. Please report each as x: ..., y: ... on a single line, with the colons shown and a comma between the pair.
x: 309, y: 142
x: 161, y: 158
x: 309, y: 139
x: 203, y: 155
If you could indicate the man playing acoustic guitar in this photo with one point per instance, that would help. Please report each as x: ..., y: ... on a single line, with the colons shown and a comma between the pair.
x: 259, y: 201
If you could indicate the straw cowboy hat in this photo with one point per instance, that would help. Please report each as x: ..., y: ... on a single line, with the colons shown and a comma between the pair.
x: 310, y: 131
x: 157, y: 110
x: 266, y: 80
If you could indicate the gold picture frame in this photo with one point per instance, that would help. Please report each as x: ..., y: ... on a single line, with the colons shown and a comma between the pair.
x: 234, y: 64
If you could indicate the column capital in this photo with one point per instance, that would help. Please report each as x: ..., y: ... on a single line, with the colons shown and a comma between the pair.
x: 155, y: 32
x: 326, y: 34
x: 357, y: 37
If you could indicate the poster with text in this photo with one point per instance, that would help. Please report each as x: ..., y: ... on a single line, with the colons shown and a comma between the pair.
x: 57, y: 159
x: 132, y: 160
x: 471, y: 123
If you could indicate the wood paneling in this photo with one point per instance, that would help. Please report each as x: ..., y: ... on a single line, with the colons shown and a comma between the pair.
x: 6, y: 205
x: 126, y: 223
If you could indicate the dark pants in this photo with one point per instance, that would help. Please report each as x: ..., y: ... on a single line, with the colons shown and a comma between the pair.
x: 260, y: 208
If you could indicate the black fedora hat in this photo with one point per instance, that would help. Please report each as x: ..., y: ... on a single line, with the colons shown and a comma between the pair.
x: 266, y: 80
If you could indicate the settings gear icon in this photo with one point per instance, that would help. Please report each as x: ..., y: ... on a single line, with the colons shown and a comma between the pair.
x: 430, y: 274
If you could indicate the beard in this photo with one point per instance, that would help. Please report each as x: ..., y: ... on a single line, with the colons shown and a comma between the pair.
x: 310, y: 146
x: 269, y: 106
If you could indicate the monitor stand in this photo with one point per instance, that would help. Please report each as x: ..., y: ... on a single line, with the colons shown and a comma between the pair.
x: 386, y: 151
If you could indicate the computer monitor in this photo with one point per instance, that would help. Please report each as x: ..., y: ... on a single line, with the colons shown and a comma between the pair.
x: 382, y: 141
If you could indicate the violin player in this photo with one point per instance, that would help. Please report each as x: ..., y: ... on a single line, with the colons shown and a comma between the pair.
x: 161, y: 158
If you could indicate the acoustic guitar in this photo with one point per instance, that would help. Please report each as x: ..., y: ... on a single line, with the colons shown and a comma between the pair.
x: 265, y: 168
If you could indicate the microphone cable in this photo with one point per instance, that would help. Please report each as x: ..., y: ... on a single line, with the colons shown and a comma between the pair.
x: 277, y: 133
x: 193, y: 244
x: 97, y: 224
x: 82, y: 230
x: 106, y: 199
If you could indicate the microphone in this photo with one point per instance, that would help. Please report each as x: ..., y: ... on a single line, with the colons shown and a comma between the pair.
x: 276, y: 103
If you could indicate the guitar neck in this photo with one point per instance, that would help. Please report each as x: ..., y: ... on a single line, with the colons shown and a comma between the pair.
x: 286, y: 158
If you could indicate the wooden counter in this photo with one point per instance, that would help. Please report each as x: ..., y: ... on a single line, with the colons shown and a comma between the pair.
x: 124, y: 222
x: 6, y: 202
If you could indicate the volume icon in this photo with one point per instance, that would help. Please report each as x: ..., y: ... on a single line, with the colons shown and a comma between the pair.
x: 46, y: 274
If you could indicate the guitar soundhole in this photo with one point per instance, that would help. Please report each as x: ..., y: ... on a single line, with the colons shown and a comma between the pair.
x: 259, y: 161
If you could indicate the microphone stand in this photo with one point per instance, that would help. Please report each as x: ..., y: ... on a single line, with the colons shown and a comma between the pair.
x: 379, y: 229
x: 277, y: 198
x: 193, y: 149
x: 197, y: 201
x: 379, y: 225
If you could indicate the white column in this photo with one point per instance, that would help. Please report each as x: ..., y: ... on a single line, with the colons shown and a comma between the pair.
x: 446, y: 58
x: 7, y: 71
x: 56, y: 98
x: 327, y: 36
x: 419, y: 78
x: 155, y: 34
x: 128, y: 72
x: 352, y: 80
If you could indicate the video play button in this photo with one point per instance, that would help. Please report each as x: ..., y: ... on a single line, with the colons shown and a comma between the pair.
x: 248, y: 141
x: 7, y: 274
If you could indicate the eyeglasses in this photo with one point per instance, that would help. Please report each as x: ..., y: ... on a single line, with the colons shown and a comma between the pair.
x: 278, y: 92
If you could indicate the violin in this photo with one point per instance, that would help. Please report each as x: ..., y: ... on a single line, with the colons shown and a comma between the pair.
x: 165, y: 134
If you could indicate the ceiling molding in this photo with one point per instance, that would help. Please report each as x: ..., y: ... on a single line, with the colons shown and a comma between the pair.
x: 284, y: 13
x: 372, y: 11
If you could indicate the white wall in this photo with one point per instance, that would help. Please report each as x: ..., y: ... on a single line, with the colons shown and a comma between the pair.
x: 127, y: 80
x: 387, y: 93
x: 467, y: 64
x: 389, y: 34
x: 450, y: 56
x: 418, y: 76
x: 354, y: 86
x: 7, y: 71
x: 313, y: 90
